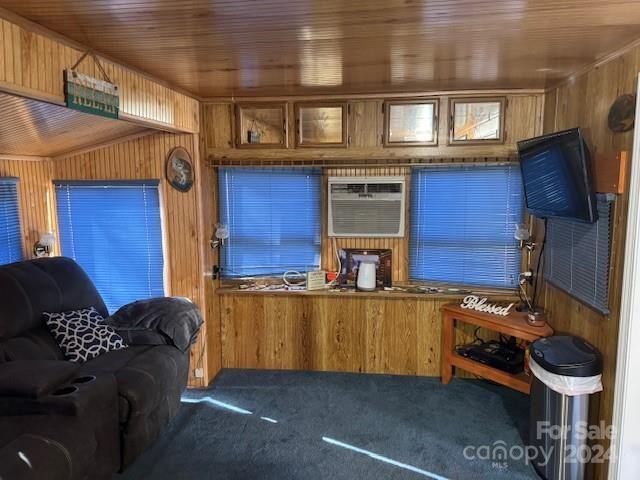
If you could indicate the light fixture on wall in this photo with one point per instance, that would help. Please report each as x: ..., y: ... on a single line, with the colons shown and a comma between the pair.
x: 221, y: 234
x: 44, y: 246
x: 523, y: 235
x: 535, y: 315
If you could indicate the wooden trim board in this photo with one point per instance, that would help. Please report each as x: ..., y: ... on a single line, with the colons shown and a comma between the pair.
x: 610, y: 172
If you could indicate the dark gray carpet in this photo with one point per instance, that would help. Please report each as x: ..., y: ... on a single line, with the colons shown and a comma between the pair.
x: 337, y: 426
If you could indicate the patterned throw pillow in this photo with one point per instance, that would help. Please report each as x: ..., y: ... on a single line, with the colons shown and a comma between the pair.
x: 82, y: 334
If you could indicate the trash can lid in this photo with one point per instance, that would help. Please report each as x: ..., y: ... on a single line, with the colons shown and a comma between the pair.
x: 567, y: 355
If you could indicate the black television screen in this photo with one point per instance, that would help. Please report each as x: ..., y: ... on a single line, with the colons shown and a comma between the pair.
x: 556, y: 172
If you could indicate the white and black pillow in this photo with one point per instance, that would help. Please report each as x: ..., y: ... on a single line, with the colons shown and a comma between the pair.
x: 83, y: 334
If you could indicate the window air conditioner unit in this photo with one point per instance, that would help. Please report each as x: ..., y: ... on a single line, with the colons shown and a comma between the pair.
x: 366, y: 206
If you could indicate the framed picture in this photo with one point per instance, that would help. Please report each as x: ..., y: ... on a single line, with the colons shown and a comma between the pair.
x: 350, y: 259
x: 476, y: 120
x: 179, y: 169
x: 321, y: 124
x: 261, y: 125
x: 410, y: 123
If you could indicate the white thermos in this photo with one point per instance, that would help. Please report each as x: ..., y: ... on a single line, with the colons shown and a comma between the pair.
x: 366, y: 276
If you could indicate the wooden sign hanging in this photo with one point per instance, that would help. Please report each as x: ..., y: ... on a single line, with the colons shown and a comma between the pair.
x: 91, y: 95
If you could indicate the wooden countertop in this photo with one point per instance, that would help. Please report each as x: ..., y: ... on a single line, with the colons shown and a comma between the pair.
x: 379, y: 294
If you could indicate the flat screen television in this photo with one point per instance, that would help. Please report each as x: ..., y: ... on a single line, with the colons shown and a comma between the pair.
x: 556, y: 171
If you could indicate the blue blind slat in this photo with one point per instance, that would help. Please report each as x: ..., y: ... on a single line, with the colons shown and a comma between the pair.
x: 273, y: 217
x: 114, y: 232
x: 10, y: 235
x: 462, y: 225
x: 577, y: 257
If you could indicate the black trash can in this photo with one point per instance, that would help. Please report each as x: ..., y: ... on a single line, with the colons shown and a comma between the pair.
x: 566, y: 371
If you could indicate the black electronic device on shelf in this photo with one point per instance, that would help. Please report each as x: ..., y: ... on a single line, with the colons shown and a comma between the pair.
x: 503, y: 355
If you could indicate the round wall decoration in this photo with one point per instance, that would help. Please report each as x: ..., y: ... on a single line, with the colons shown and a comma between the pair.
x: 179, y: 169
x: 622, y: 113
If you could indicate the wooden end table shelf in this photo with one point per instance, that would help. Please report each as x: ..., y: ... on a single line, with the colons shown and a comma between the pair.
x: 514, y: 324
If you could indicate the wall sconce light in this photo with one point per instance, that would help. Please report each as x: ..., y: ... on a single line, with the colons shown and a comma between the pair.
x: 222, y: 233
x: 523, y: 235
x: 44, y: 246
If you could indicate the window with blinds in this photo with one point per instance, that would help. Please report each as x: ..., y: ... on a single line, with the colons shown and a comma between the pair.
x: 463, y: 221
x: 113, y: 230
x: 273, y: 217
x: 577, y: 257
x: 10, y: 236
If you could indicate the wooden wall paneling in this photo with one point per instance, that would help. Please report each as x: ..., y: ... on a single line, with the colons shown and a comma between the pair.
x: 523, y: 115
x: 219, y: 136
x: 584, y: 101
x: 209, y: 339
x: 366, y: 123
x: 340, y: 326
x: 549, y: 117
x: 33, y: 62
x: 392, y: 337
x: 219, y: 132
x: 523, y: 120
x: 428, y: 333
x: 197, y: 240
x: 241, y: 320
x: 399, y: 245
x: 144, y: 158
x: 330, y: 333
x: 36, y: 197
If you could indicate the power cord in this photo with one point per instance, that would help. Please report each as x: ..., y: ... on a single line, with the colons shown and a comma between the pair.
x: 477, y: 340
x: 540, y: 261
x: 335, y: 250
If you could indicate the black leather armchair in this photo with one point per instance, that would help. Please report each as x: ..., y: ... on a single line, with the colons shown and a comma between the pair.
x: 79, y: 421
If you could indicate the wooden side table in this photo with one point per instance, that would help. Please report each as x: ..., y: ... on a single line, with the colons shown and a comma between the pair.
x: 514, y: 324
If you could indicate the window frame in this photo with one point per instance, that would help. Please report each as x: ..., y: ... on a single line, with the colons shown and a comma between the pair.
x: 271, y: 278
x: 148, y: 182
x: 300, y: 142
x: 388, y: 104
x: 240, y: 107
x: 501, y: 129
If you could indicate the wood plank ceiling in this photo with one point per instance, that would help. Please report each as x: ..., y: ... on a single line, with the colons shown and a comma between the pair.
x: 29, y: 127
x: 288, y: 47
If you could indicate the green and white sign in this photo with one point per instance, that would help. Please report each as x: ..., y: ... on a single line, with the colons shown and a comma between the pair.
x: 90, y: 95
